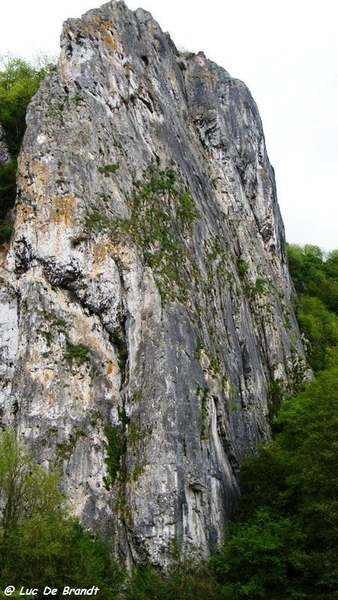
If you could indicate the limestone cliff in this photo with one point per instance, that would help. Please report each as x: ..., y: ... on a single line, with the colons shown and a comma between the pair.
x: 146, y: 321
x: 4, y: 154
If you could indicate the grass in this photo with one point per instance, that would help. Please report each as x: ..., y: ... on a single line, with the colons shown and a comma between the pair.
x: 108, y: 169
x: 77, y: 352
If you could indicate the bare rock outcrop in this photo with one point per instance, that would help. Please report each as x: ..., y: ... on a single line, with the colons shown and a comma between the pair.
x: 4, y: 154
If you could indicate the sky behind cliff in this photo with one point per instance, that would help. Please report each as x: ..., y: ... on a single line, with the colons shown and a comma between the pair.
x: 287, y: 54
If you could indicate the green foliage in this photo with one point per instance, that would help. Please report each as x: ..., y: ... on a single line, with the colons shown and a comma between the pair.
x: 258, y: 287
x: 116, y: 447
x: 158, y: 229
x: 39, y: 543
x: 242, y: 267
x: 107, y: 169
x: 160, y: 215
x: 305, y: 265
x: 65, y: 449
x: 122, y: 350
x: 315, y: 275
x: 54, y: 551
x: 7, y: 196
x: 255, y: 562
x: 316, y: 284
x: 18, y: 83
x: 277, y: 392
x: 284, y: 543
x: 95, y: 221
x: 186, y: 211
x: 185, y: 581
x: 199, y: 349
x: 77, y: 352
x: 5, y: 232
x: 25, y: 490
x: 56, y: 321
x: 320, y: 327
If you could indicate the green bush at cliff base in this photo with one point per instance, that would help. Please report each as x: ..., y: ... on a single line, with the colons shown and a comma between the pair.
x: 284, y: 544
x: 39, y: 544
x: 185, y: 581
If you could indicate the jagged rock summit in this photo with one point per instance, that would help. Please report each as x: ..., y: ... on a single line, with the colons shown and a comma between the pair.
x: 146, y: 323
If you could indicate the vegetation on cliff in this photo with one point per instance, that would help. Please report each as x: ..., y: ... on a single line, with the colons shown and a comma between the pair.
x: 18, y: 83
x: 315, y: 278
x: 39, y: 543
x: 283, y: 544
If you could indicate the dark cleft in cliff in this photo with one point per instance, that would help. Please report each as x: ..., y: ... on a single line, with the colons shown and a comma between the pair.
x: 147, y: 327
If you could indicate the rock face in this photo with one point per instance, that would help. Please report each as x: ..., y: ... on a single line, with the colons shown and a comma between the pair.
x: 4, y: 154
x: 146, y: 321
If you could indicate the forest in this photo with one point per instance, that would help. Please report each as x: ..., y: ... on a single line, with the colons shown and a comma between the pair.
x: 283, y: 543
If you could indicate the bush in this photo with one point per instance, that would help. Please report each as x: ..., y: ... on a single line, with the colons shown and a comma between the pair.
x: 284, y: 543
x: 39, y: 544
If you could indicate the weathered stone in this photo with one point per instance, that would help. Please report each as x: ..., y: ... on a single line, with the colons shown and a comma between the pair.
x: 4, y: 154
x: 148, y: 267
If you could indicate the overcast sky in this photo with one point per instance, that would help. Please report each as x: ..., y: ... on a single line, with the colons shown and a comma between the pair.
x: 287, y: 54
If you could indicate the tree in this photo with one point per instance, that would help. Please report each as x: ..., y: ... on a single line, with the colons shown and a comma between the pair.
x: 19, y: 81
x: 316, y: 283
x: 25, y: 489
x: 284, y: 544
x: 39, y: 543
x: 320, y: 327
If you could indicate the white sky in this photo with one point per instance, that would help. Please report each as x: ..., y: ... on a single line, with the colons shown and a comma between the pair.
x: 285, y: 51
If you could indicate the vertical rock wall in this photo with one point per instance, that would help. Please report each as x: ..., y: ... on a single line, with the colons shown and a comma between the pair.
x: 4, y: 154
x: 147, y: 323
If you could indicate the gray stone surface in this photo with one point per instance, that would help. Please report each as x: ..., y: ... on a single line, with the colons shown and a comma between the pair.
x: 4, y: 154
x: 146, y: 287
